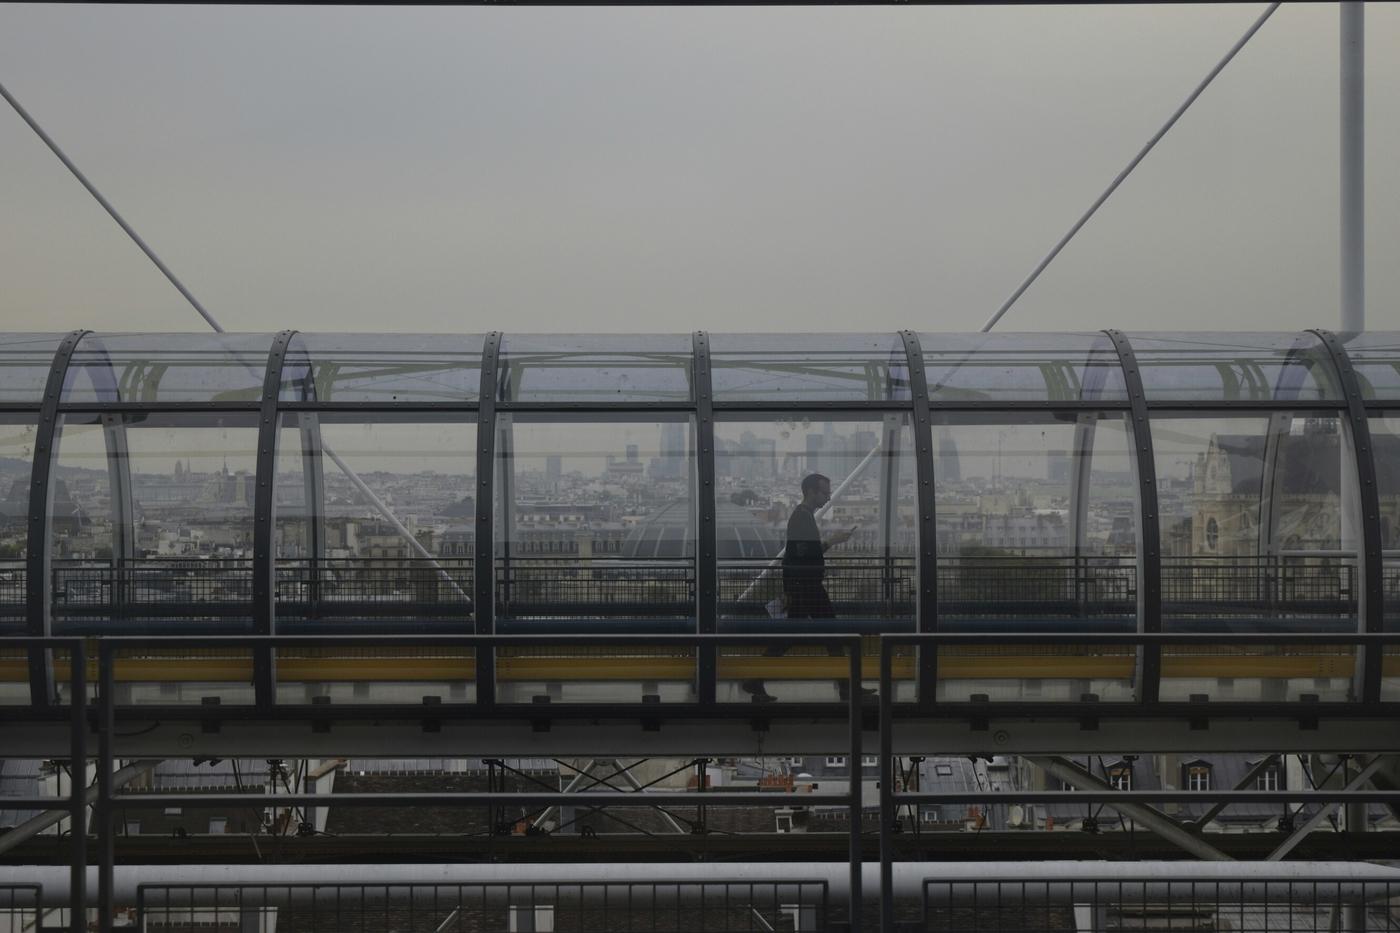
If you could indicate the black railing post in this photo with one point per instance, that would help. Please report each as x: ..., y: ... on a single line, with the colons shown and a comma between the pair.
x: 38, y: 587
x: 264, y: 561
x: 706, y: 560
x: 1372, y: 561
x: 887, y: 805
x: 854, y: 647
x: 78, y: 757
x: 927, y: 603
x: 1149, y: 556
x: 485, y: 569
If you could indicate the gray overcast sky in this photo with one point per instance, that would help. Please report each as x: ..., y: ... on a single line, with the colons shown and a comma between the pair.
x: 616, y: 169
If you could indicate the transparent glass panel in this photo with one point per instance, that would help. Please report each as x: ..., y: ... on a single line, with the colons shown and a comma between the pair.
x: 17, y: 436
x: 168, y: 368
x: 1022, y: 367
x: 375, y: 519
x: 595, y: 531
x: 1234, y: 367
x: 1037, y: 531
x: 171, y: 540
x: 808, y: 367
x: 595, y: 368
x: 1260, y: 534
x: 1375, y: 356
x: 25, y: 361
x: 383, y: 368
x: 839, y: 558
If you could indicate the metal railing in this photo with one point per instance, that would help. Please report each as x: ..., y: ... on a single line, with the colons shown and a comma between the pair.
x: 1036, y: 586
x: 1106, y: 905
x: 594, y: 588
x: 389, y: 588
x: 874, y: 587
x: 152, y: 589
x: 1317, y: 590
x: 680, y: 906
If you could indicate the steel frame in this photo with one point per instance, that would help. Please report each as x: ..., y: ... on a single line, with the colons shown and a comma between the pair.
x: 105, y: 713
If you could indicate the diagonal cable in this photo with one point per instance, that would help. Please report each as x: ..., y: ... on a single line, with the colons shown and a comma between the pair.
x: 1142, y: 154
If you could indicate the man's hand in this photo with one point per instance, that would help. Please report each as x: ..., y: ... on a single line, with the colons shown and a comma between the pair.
x: 841, y: 537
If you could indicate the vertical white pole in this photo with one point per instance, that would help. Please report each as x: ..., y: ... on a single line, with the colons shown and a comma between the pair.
x: 1353, y: 146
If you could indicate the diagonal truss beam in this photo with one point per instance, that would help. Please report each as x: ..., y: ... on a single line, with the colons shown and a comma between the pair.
x: 1153, y: 819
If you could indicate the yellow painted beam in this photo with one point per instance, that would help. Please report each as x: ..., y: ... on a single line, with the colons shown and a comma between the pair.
x: 363, y: 668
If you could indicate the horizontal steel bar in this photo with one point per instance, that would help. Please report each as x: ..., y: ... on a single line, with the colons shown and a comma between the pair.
x: 1279, y: 797
x: 529, y: 798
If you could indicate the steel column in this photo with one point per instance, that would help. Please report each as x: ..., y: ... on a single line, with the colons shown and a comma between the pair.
x: 1353, y: 159
x: 1372, y: 588
x: 78, y: 755
x: 485, y: 602
x: 264, y: 562
x: 104, y: 813
x: 706, y: 571
x: 38, y: 588
x: 887, y: 803
x: 854, y: 646
x: 1149, y: 556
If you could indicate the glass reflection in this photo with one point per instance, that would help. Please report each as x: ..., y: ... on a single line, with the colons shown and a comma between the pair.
x: 390, y: 534
x: 1037, y: 521
x: 17, y: 435
x: 595, y: 368
x: 167, y: 368
x: 1022, y: 367
x: 596, y: 519
x: 1260, y: 531
x: 1234, y: 367
x: 383, y: 368
x: 169, y: 538
x: 783, y: 368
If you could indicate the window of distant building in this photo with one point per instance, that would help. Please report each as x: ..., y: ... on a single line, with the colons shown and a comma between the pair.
x: 1120, y: 777
x: 943, y: 770
x: 870, y: 761
x: 835, y: 761
x: 1197, y: 776
x: 1269, y: 779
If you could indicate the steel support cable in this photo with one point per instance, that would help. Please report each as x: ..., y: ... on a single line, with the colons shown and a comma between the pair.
x: 1142, y: 154
x: 359, y: 484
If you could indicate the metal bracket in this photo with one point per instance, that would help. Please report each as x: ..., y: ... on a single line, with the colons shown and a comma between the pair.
x: 1373, y: 601
x: 485, y: 602
x: 928, y: 523
x: 706, y: 567
x: 264, y: 561
x: 1149, y: 558
x: 38, y: 590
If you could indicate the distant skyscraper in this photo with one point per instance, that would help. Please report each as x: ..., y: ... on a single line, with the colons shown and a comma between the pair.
x: 672, y: 464
x: 949, y: 469
x: 1057, y: 466
x: 815, y: 443
x: 553, y: 468
x: 633, y: 453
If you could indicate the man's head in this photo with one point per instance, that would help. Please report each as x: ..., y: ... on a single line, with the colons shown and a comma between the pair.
x: 816, y: 490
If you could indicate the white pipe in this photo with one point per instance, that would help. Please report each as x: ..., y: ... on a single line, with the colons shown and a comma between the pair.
x: 1027, y: 882
x: 1353, y: 146
x: 37, y: 824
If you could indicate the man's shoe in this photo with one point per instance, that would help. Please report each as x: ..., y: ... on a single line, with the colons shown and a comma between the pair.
x: 758, y: 691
